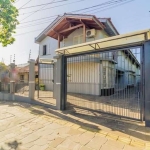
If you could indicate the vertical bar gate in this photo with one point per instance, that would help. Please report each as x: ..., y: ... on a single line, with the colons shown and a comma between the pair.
x: 106, y: 81
x: 45, y: 80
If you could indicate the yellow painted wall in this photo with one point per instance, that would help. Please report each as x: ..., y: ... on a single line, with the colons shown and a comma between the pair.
x: 100, y: 34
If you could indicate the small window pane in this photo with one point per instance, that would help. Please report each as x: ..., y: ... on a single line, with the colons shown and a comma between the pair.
x: 44, y: 50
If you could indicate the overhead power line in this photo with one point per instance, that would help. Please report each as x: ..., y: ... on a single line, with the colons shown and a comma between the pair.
x: 115, y: 6
x: 105, y: 4
x: 44, y: 4
x: 31, y: 25
x: 29, y: 32
x: 120, y: 2
x: 36, y: 11
x: 57, y: 15
x: 38, y: 19
x: 48, y: 18
x: 24, y: 4
x: 54, y: 7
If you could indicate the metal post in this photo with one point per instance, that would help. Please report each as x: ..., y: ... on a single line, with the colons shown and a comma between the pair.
x: 38, y: 79
x: 60, y: 87
x: 146, y: 75
x: 64, y: 82
x: 31, y: 78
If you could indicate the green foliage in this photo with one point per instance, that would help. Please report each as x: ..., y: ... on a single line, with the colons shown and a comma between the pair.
x: 42, y: 85
x: 8, y: 21
x: 3, y: 66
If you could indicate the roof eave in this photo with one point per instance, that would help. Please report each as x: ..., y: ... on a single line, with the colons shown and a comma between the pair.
x: 43, y: 34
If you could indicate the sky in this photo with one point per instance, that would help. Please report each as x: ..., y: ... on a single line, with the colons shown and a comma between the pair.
x: 126, y: 15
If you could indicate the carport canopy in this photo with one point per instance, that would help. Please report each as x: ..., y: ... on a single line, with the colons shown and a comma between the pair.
x: 118, y: 41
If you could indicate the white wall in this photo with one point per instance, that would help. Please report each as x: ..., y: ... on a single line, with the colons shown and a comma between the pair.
x: 51, y: 47
x: 83, y: 77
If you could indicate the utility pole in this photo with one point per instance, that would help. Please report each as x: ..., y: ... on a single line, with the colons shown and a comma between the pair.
x: 29, y: 54
x: 14, y: 59
x: 10, y: 58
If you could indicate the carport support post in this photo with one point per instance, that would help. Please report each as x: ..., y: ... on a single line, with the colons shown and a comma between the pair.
x: 146, y: 78
x: 60, y: 83
x: 31, y: 78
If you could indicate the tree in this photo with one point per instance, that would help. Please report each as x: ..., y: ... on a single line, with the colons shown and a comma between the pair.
x: 8, y: 21
x: 3, y: 66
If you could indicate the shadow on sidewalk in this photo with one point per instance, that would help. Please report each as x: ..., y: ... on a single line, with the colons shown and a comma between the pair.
x: 92, y: 120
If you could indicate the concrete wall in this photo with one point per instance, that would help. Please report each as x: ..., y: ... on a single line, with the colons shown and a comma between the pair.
x: 12, y: 97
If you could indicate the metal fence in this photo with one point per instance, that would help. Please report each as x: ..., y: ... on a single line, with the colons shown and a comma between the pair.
x: 108, y: 82
x: 5, y: 87
x: 45, y: 80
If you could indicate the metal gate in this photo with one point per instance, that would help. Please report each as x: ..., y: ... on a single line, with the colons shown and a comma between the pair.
x: 106, y: 81
x: 44, y: 84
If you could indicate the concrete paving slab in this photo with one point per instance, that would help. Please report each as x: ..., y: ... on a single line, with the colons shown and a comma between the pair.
x: 30, y: 131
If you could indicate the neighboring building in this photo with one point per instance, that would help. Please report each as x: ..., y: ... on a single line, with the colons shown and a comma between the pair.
x: 23, y: 72
x: 72, y: 29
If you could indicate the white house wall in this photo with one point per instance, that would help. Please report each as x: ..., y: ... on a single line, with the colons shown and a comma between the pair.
x: 51, y: 47
x: 83, y: 77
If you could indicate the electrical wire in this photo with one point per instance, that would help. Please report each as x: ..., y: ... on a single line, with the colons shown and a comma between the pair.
x: 115, y: 6
x: 35, y: 11
x: 43, y: 29
x: 24, y: 5
x: 105, y: 3
x: 44, y: 4
x: 47, y: 21
x: 29, y: 32
x: 53, y: 7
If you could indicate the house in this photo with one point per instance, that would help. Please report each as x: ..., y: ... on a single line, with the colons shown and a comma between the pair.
x: 101, y: 73
x: 23, y: 72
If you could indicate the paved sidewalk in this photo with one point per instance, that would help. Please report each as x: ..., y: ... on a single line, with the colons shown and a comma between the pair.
x: 27, y: 127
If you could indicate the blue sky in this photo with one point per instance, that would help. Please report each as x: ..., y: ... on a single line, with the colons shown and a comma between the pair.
x: 127, y: 17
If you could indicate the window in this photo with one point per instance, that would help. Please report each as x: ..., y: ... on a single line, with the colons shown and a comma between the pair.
x: 78, y: 39
x: 21, y: 78
x: 44, y: 49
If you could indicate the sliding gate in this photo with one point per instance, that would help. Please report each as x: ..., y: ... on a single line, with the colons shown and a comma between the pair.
x: 108, y: 82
